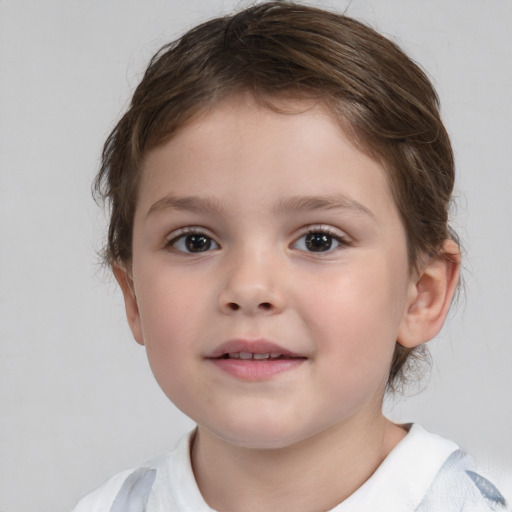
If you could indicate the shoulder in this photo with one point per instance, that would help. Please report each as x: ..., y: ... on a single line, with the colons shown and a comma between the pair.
x: 102, y: 498
x: 459, y: 485
x: 132, y: 486
x: 425, y: 473
x: 163, y: 484
x: 128, y: 490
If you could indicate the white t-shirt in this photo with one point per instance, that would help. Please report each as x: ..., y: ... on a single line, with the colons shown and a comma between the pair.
x: 423, y: 473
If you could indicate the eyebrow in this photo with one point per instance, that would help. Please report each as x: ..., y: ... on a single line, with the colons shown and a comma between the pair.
x: 324, y: 202
x: 194, y: 204
x: 292, y: 204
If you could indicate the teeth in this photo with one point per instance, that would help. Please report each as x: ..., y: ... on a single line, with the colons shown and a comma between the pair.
x: 250, y: 355
x: 261, y: 356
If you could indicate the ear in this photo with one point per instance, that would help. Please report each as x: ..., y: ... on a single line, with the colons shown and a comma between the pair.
x: 431, y: 293
x: 125, y: 281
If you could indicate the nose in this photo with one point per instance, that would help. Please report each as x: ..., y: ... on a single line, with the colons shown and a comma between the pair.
x: 252, y: 287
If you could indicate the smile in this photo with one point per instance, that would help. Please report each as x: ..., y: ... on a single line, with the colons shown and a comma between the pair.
x: 256, y: 356
x: 254, y: 360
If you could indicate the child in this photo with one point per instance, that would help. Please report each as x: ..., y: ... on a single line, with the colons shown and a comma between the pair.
x: 280, y: 189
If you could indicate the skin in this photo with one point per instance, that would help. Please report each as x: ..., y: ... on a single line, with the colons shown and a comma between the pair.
x: 254, y: 184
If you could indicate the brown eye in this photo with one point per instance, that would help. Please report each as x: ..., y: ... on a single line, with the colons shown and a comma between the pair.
x: 193, y: 243
x: 198, y: 243
x: 318, y: 242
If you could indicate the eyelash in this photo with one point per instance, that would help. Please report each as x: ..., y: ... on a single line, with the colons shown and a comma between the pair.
x: 182, y: 234
x: 340, y: 239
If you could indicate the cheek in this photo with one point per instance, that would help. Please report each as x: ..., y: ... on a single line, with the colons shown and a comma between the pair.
x: 167, y: 299
x: 170, y: 308
x: 355, y: 315
x: 169, y: 327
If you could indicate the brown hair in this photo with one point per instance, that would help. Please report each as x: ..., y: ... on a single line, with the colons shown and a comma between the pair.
x: 282, y: 49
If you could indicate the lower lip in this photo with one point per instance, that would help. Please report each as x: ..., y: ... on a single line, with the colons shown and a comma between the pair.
x: 251, y: 369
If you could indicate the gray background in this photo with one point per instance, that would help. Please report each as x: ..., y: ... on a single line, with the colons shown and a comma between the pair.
x: 77, y: 401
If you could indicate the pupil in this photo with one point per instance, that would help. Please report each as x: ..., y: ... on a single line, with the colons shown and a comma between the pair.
x: 318, y: 242
x: 198, y: 243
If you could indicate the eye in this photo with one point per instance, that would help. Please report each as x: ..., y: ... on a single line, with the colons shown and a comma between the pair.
x: 319, y: 240
x: 192, y: 242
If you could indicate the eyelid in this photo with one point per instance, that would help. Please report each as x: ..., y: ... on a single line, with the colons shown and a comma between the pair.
x: 328, y: 229
x: 339, y: 235
x: 176, y: 234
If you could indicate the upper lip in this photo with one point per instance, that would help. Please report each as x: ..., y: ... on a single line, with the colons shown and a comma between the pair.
x: 255, y: 346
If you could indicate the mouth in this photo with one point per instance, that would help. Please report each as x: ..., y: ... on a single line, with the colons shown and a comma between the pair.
x: 253, y: 349
x: 256, y: 356
x: 254, y: 360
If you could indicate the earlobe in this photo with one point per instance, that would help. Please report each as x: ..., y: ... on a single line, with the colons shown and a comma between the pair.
x: 431, y: 294
x: 125, y: 281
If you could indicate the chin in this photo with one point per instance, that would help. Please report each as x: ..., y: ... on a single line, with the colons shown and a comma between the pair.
x: 258, y: 441
x: 258, y: 435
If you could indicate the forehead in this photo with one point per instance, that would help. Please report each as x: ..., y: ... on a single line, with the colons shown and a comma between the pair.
x: 297, y: 147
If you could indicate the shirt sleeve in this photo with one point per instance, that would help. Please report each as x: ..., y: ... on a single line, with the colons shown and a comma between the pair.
x: 458, y: 488
x: 102, y: 499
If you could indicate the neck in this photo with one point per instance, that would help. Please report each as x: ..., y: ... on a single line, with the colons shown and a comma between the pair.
x: 314, y: 474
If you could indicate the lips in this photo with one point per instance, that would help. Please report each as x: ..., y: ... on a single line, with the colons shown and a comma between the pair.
x: 256, y: 356
x: 258, y: 350
x: 254, y: 360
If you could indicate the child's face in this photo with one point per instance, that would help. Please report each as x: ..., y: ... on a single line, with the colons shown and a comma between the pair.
x: 268, y: 233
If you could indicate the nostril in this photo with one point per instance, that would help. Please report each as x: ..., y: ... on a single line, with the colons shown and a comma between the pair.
x: 262, y: 306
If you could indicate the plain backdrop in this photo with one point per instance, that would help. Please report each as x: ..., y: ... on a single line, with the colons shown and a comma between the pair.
x: 77, y: 400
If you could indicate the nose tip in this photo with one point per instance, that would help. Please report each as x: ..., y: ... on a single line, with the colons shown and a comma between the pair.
x: 251, y: 282
x: 263, y: 306
x: 251, y: 295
